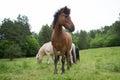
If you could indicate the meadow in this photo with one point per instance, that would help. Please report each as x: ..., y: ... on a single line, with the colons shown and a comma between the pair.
x: 94, y: 64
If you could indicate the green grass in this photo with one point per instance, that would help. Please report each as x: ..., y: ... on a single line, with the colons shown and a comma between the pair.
x: 95, y: 64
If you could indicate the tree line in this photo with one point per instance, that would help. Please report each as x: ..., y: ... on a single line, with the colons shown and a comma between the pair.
x: 16, y: 39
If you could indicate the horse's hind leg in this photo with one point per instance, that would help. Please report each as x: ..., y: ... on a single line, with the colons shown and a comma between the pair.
x: 68, y: 60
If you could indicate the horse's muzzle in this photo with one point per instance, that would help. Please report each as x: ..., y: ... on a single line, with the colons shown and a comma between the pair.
x: 71, y: 29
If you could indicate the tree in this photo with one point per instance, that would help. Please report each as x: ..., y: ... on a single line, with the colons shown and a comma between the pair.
x: 83, y: 40
x: 44, y: 34
x: 4, y: 44
x: 75, y: 38
x: 16, y: 31
x: 12, y: 51
x: 97, y: 42
x: 116, y: 28
x: 91, y: 34
x: 32, y: 46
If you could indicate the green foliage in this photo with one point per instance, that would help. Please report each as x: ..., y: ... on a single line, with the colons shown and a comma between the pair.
x: 116, y: 28
x: 104, y: 37
x: 75, y: 38
x: 112, y: 40
x: 4, y: 44
x: 80, y: 39
x: 17, y: 32
x: 9, y: 49
x: 97, y: 42
x: 91, y: 34
x: 32, y: 46
x: 13, y: 51
x: 44, y: 34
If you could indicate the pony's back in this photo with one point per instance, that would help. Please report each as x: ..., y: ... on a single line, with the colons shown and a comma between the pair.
x: 48, y: 48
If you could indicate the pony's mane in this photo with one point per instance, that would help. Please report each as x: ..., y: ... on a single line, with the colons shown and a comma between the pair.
x: 64, y: 10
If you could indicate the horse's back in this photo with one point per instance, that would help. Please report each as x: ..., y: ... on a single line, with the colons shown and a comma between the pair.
x: 48, y: 47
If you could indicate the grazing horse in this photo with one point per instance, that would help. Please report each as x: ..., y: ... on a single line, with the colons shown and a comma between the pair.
x: 47, y: 49
x: 62, y: 40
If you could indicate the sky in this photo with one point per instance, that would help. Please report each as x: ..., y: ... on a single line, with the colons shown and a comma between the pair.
x: 85, y: 14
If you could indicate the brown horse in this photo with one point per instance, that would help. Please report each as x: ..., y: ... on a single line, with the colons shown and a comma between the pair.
x: 60, y: 39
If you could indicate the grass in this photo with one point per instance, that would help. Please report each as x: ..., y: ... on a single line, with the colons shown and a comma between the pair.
x: 95, y: 64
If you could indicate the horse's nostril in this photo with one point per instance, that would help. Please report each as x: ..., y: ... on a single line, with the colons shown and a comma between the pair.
x: 71, y: 29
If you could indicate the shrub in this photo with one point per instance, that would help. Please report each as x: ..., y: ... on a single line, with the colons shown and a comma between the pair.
x: 4, y: 44
x: 13, y: 51
x: 31, y: 46
x: 97, y: 42
x: 112, y: 40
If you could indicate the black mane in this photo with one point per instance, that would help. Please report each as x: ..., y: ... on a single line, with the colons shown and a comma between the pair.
x: 64, y: 10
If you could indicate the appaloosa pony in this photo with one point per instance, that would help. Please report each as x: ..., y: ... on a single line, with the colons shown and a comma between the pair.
x: 62, y: 40
x: 47, y: 49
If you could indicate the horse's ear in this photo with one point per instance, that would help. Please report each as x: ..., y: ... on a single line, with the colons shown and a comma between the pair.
x: 66, y: 10
x: 65, y: 7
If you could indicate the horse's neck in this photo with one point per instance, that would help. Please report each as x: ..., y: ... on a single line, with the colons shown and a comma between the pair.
x: 58, y: 30
x: 41, y: 52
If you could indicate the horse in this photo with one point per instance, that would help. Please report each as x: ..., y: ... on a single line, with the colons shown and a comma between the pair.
x: 62, y: 40
x: 75, y: 53
x: 47, y: 49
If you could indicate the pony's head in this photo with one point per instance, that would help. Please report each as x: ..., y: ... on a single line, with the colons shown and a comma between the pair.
x: 62, y: 18
x: 39, y: 58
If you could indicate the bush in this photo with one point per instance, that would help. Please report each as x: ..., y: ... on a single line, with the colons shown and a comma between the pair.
x: 31, y: 47
x: 13, y: 51
x: 97, y: 42
x: 112, y: 40
x: 4, y: 44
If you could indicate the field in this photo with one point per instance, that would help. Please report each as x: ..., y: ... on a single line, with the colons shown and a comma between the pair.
x: 95, y: 64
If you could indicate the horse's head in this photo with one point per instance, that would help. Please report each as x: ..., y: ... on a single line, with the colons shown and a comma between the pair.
x: 62, y: 18
x: 39, y: 58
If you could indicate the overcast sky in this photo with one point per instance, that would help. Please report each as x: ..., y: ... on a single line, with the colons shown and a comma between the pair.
x: 85, y: 14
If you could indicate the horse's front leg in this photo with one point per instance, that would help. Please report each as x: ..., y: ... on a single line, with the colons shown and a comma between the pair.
x: 48, y: 58
x: 63, y: 63
x: 55, y: 61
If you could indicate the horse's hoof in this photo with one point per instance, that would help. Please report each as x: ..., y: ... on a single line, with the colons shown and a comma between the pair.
x: 62, y: 72
x: 68, y: 68
x: 55, y: 72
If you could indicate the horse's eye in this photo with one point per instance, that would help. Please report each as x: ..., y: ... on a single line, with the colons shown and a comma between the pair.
x: 66, y: 16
